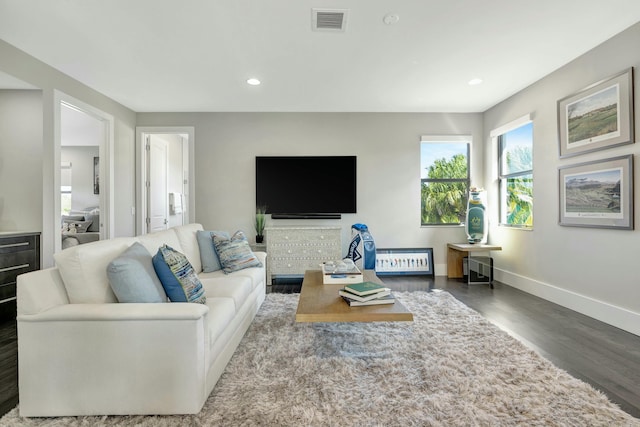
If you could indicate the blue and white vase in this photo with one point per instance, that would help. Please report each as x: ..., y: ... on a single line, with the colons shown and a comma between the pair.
x: 476, y: 221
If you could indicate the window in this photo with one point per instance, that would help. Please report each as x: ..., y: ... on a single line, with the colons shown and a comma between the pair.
x: 65, y: 187
x: 515, y: 169
x: 444, y: 176
x: 65, y: 202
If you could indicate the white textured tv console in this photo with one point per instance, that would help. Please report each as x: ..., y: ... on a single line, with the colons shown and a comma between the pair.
x: 293, y: 250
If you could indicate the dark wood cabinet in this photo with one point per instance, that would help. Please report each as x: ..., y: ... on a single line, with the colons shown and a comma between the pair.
x: 19, y: 253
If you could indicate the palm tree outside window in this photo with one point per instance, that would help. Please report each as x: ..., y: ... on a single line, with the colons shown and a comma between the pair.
x: 444, y: 176
x: 515, y: 169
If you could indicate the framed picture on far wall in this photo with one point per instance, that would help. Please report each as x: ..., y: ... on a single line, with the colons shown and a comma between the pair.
x: 404, y: 261
x: 598, y: 117
x: 96, y: 175
x: 597, y: 194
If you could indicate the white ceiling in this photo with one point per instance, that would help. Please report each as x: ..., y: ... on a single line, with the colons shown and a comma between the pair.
x: 196, y: 55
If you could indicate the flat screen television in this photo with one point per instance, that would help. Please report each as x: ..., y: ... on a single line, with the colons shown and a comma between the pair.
x: 306, y: 186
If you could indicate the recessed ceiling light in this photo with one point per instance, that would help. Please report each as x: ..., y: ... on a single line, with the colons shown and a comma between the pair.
x: 474, y: 82
x: 253, y: 82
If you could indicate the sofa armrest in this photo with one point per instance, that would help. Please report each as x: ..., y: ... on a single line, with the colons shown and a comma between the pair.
x: 117, y: 312
x: 40, y: 290
x: 125, y: 358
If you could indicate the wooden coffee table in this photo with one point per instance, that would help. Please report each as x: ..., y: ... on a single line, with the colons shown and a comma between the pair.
x: 321, y: 303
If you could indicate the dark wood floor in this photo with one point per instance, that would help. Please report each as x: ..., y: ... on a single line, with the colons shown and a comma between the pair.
x: 8, y: 360
x: 601, y: 355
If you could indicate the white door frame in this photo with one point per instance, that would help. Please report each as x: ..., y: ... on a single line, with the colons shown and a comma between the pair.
x: 51, y: 241
x: 141, y: 171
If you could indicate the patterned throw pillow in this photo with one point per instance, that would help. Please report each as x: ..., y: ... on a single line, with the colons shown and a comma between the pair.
x: 177, y: 276
x: 234, y: 252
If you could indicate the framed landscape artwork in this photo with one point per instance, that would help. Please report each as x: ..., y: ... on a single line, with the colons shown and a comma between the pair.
x: 597, y: 194
x: 598, y: 117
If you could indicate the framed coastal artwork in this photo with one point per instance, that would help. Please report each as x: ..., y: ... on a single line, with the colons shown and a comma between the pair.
x: 597, y: 117
x: 597, y: 194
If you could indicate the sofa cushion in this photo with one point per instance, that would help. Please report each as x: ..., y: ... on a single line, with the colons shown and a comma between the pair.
x: 133, y: 278
x: 95, y: 222
x: 221, y: 313
x: 154, y: 241
x: 208, y: 255
x: 255, y: 275
x: 234, y: 286
x: 189, y: 244
x: 234, y: 252
x: 84, y: 269
x: 177, y: 276
x: 70, y: 218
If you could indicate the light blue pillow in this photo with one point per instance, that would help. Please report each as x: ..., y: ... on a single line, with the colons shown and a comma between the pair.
x: 208, y: 256
x: 133, y: 278
x: 177, y: 276
x: 234, y: 252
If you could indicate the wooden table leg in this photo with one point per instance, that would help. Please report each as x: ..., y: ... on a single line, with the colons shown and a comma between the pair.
x: 454, y: 264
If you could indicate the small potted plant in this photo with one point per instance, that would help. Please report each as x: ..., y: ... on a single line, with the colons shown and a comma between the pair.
x: 261, y: 212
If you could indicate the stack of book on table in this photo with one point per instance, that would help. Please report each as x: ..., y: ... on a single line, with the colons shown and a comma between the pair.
x: 366, y: 293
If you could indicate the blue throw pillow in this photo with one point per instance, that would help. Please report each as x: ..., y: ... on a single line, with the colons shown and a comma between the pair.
x: 208, y: 256
x: 177, y: 276
x: 234, y: 252
x: 133, y: 278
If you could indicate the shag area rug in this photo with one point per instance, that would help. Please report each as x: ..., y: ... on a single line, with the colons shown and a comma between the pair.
x: 450, y: 367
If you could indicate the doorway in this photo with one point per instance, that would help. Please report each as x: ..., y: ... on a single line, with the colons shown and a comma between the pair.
x: 83, y: 159
x: 164, y: 178
x: 81, y: 136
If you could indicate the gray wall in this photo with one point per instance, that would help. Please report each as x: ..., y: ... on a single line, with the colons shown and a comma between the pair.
x: 590, y: 270
x: 20, y: 160
x: 388, y: 150
x: 24, y: 67
x: 81, y: 159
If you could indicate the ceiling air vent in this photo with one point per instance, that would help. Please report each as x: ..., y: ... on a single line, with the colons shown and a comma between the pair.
x: 329, y: 19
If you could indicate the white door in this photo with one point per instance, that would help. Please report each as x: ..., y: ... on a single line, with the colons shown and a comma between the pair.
x: 179, y: 177
x: 158, y: 197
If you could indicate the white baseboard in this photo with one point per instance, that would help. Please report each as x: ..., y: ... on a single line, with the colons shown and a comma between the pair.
x: 616, y: 316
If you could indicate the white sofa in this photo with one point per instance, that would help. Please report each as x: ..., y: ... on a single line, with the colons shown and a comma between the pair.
x: 82, y: 353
